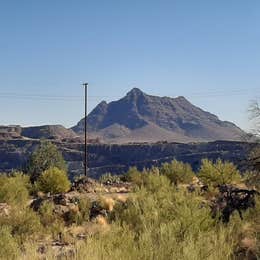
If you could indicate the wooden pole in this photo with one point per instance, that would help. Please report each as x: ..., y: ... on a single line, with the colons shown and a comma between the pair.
x: 85, y: 130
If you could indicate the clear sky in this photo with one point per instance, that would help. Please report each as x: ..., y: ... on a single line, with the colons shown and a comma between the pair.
x: 205, y: 50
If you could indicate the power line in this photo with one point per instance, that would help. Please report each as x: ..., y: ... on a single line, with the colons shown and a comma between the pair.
x: 41, y: 97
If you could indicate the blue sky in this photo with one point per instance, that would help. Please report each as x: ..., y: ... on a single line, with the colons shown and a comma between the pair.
x: 205, y: 50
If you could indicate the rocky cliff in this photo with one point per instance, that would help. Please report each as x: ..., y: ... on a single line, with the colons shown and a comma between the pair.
x: 117, y: 159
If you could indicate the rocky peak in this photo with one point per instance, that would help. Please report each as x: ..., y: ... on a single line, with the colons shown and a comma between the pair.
x: 135, y: 92
x: 101, y: 107
x: 135, y: 96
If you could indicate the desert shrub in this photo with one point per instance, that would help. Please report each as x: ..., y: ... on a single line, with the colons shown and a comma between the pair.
x: 145, y: 178
x: 108, y: 177
x: 54, y: 181
x: 73, y: 216
x: 14, y: 189
x: 80, y: 213
x: 56, y: 228
x: 158, y: 202
x: 134, y: 176
x: 24, y: 224
x: 252, y: 179
x: 46, y: 212
x: 52, y: 223
x: 118, y: 243
x: 218, y: 173
x: 160, y: 222
x: 157, y: 184
x: 186, y: 214
x: 177, y: 172
x: 84, y: 209
x: 8, y: 246
x: 163, y: 244
x: 45, y: 157
x: 154, y: 170
x: 106, y: 203
x: 248, y: 237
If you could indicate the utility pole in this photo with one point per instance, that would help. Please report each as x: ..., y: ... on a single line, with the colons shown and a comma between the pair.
x: 85, y: 129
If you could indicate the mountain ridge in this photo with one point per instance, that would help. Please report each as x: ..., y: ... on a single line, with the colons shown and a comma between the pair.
x: 142, y: 117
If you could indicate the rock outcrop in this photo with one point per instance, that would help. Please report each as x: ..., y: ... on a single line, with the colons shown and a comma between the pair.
x: 48, y: 132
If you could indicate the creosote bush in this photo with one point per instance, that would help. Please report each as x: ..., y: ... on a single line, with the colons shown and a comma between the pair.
x: 46, y: 212
x: 9, y: 248
x: 162, y: 222
x: 80, y: 213
x: 177, y: 172
x: 14, y: 189
x: 135, y: 176
x: 23, y: 223
x: 218, y: 173
x: 53, y: 181
x: 84, y: 209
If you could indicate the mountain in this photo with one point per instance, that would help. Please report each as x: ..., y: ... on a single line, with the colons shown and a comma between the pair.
x: 139, y: 117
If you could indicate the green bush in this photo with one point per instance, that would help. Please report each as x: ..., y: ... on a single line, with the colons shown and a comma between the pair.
x: 45, y: 157
x: 177, y: 172
x: 8, y: 246
x: 80, y: 213
x: 157, y: 184
x: 46, y: 212
x: 218, y: 173
x: 52, y: 223
x: 24, y: 223
x: 53, y: 181
x: 160, y: 222
x: 14, y: 189
x: 134, y: 176
x: 84, y: 209
x: 160, y: 203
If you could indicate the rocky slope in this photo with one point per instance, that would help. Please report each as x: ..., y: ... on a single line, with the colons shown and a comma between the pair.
x: 139, y: 117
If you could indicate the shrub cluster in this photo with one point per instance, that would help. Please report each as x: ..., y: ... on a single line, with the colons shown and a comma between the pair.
x: 14, y: 189
x: 160, y: 220
x: 210, y: 173
x: 53, y: 181
x: 163, y: 222
x: 218, y: 173
x: 177, y: 172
